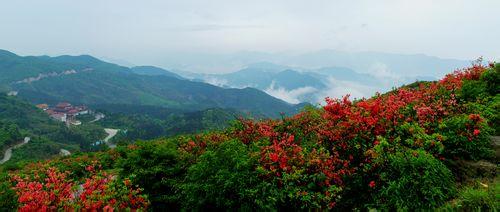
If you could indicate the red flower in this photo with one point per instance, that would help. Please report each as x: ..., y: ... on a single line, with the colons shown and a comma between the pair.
x: 476, y: 132
x: 274, y: 157
x: 372, y: 184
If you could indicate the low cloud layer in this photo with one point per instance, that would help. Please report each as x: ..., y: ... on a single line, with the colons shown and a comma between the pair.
x: 336, y: 89
x: 293, y: 96
x: 340, y: 88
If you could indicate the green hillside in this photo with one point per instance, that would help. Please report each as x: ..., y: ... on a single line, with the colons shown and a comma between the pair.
x: 87, y: 80
x: 19, y: 119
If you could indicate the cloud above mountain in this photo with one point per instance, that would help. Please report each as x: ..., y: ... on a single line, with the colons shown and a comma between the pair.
x: 293, y: 96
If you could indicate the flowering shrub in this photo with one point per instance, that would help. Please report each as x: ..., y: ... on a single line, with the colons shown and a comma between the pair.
x: 42, y: 187
x: 46, y: 190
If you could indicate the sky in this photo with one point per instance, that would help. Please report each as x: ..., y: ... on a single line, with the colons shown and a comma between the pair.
x: 148, y: 31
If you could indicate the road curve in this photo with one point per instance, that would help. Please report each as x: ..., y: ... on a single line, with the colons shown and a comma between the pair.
x: 111, y: 133
x: 8, y: 152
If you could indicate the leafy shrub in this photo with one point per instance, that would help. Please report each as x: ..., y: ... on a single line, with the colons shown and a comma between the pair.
x: 466, y: 136
x: 491, y: 77
x: 472, y: 90
x: 8, y: 197
x: 154, y: 166
x: 224, y: 177
x: 412, y: 179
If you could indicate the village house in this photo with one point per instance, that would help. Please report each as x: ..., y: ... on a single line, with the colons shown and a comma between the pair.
x: 65, y: 112
x: 59, y: 116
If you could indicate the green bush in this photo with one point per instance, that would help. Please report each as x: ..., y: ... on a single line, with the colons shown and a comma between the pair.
x: 492, y: 79
x: 224, y: 178
x: 8, y: 197
x: 154, y: 166
x: 465, y: 137
x: 472, y: 90
x: 412, y: 179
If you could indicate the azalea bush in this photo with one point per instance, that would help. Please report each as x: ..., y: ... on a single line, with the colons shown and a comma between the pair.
x: 410, y: 179
x: 44, y: 187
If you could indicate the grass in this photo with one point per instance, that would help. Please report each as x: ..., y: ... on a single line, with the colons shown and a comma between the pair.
x: 482, y: 195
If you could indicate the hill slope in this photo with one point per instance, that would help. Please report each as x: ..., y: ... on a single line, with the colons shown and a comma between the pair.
x: 87, y: 80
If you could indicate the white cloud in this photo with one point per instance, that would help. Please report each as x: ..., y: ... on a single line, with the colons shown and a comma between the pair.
x: 340, y: 88
x: 293, y: 96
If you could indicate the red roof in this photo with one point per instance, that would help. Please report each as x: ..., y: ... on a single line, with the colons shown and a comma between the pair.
x: 63, y: 104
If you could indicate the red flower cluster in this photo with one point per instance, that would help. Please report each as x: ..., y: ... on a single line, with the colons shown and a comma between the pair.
x: 43, y: 193
x: 45, y: 188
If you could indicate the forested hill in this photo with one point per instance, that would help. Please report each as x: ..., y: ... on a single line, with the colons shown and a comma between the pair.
x: 19, y: 119
x: 87, y: 80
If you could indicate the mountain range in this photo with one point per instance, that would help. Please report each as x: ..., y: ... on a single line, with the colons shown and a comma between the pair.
x: 295, y: 84
x: 375, y: 63
x: 88, y: 80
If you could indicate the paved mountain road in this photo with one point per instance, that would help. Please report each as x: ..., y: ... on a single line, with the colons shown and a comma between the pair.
x: 111, y: 133
x: 8, y: 152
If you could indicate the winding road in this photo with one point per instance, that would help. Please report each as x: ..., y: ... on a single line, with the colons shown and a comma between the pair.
x: 8, y: 152
x: 111, y: 133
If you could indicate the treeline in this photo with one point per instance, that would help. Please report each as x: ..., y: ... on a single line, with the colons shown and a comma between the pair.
x: 149, y: 122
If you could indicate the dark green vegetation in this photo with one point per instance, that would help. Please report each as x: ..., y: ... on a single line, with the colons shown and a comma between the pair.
x: 87, y: 80
x: 148, y: 122
x: 9, y: 135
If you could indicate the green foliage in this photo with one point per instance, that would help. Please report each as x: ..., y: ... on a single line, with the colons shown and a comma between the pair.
x: 465, y: 138
x: 491, y: 77
x: 8, y: 197
x: 154, y: 122
x: 154, y: 166
x: 472, y: 90
x: 225, y: 178
x: 412, y: 179
x: 9, y: 134
x: 478, y: 197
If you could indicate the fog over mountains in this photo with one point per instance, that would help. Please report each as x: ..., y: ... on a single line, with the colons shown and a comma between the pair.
x: 313, y: 76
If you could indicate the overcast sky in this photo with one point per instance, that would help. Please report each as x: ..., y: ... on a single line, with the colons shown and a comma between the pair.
x: 142, y: 31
